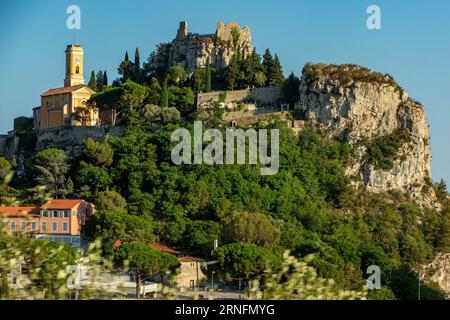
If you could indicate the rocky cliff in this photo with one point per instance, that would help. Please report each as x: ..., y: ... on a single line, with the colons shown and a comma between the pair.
x: 368, y: 110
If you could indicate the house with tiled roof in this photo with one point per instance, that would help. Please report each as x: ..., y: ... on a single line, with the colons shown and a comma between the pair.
x: 57, y: 220
x: 190, y: 273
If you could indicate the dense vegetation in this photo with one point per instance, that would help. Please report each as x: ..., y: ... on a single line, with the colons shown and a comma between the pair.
x: 382, y: 151
x: 307, y: 208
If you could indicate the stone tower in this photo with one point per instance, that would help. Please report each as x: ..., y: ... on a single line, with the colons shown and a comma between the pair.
x: 74, y: 65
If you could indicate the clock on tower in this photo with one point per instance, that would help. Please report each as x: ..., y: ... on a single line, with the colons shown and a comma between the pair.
x: 74, y: 66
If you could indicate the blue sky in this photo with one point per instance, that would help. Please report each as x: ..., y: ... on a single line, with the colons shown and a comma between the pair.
x: 413, y: 44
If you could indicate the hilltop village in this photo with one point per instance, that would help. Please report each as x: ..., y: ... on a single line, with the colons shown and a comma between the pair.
x: 354, y: 187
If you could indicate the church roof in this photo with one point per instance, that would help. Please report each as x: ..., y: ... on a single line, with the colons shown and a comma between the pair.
x: 65, y: 90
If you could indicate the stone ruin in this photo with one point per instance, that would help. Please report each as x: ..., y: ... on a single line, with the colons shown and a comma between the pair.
x: 193, y: 50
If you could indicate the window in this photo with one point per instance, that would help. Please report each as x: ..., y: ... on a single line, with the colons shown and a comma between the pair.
x: 55, y: 226
x: 24, y: 226
x: 44, y: 226
x: 13, y: 225
x: 45, y: 214
x: 33, y: 226
x: 55, y: 214
x: 66, y: 214
x: 65, y: 226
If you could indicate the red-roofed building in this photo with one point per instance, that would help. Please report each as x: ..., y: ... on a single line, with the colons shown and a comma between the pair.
x: 166, y: 249
x: 57, y: 220
x: 191, y: 274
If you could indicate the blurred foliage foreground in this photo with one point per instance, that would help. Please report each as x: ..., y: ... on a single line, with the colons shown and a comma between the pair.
x: 42, y: 270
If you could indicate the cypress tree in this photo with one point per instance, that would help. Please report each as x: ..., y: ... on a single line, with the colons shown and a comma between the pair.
x: 126, y: 56
x: 92, y: 83
x: 267, y: 62
x: 276, y: 72
x: 99, y: 80
x: 208, y: 77
x: 105, y: 79
x: 137, y: 60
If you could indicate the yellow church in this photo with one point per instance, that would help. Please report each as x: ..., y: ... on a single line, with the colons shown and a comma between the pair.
x: 68, y: 106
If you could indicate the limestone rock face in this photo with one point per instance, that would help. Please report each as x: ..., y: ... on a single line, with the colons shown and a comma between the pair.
x: 438, y: 271
x: 372, y: 105
x: 191, y: 50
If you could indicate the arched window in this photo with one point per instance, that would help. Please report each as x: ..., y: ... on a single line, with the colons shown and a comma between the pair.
x: 77, y: 69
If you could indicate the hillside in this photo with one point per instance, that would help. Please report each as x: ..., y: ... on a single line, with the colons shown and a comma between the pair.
x: 353, y: 188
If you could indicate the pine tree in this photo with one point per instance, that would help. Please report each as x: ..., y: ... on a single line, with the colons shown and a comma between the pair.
x: 92, y: 83
x: 165, y: 95
x: 105, y: 79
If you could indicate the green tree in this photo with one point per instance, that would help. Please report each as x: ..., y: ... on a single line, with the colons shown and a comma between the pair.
x: 51, y: 166
x: 164, y: 95
x: 92, y: 179
x: 181, y: 98
x: 290, y: 89
x: 99, y: 80
x: 267, y: 63
x: 99, y: 154
x: 199, y: 236
x: 177, y: 75
x: 244, y: 260
x: 144, y: 261
x: 255, y: 228
x: 137, y: 59
x: 92, y: 82
x: 208, y: 77
x: 46, y: 260
x: 126, y: 69
x: 260, y: 79
x: 277, y: 76
x: 111, y: 225
x: 110, y: 200
x: 154, y: 96
x: 105, y: 79
x: 232, y: 74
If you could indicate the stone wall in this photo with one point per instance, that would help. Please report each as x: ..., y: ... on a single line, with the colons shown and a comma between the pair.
x: 268, y: 97
x: 71, y: 139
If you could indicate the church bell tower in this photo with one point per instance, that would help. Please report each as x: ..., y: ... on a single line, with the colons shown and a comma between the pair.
x: 74, y: 65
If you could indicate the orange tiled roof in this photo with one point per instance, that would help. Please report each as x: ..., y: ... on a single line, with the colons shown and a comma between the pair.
x: 117, y: 243
x: 190, y: 259
x: 164, y: 248
x: 61, y: 204
x: 62, y: 90
x: 17, y: 211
